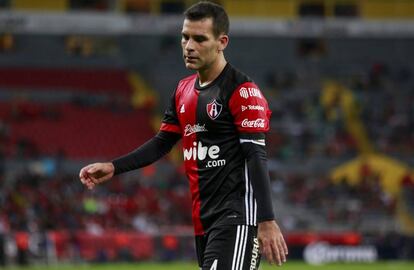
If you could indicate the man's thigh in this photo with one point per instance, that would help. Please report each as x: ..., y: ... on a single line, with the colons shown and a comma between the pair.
x: 231, y: 248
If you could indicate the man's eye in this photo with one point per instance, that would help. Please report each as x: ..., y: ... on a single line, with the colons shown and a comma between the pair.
x: 199, y: 39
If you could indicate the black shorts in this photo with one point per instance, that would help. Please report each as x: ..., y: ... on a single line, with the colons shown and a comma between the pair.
x: 232, y: 247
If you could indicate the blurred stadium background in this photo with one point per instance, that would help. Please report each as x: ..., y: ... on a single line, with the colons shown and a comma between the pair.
x: 87, y: 80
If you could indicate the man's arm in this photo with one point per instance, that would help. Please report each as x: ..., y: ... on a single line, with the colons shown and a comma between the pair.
x: 147, y: 153
x: 253, y: 147
x: 271, y: 240
x: 252, y: 119
x: 144, y: 155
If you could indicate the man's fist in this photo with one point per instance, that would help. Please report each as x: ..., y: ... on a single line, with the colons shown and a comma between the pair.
x: 96, y: 173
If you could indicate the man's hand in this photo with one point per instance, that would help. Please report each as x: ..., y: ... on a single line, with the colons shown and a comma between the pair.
x: 96, y: 173
x: 272, y: 243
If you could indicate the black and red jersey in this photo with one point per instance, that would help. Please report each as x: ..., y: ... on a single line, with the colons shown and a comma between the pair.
x: 214, y: 121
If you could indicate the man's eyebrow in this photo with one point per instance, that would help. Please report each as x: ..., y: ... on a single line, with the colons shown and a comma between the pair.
x: 202, y: 36
x: 196, y: 35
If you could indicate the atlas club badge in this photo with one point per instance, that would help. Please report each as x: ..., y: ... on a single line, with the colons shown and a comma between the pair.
x: 214, y: 109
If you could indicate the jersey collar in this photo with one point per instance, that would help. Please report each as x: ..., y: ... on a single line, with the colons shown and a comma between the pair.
x: 219, y: 78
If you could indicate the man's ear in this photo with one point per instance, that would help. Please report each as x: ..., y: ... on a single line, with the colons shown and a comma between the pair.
x: 223, y: 42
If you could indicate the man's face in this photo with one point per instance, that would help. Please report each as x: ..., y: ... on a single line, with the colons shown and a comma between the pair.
x: 200, y: 46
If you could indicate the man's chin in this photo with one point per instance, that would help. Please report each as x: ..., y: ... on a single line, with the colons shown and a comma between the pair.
x: 191, y: 66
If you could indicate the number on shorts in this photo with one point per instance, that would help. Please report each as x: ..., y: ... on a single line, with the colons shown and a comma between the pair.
x: 214, y: 265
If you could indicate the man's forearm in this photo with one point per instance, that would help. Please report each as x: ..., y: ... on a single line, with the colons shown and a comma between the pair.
x: 147, y: 153
x: 258, y: 173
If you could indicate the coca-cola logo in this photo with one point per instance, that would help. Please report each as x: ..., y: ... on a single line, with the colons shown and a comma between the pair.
x: 258, y: 123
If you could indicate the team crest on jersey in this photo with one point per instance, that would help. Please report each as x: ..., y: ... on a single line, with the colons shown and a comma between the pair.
x: 214, y: 109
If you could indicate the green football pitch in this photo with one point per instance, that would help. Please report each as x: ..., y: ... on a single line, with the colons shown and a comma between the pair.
x: 191, y: 266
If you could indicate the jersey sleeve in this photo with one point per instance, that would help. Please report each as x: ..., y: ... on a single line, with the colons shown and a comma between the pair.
x: 149, y: 152
x: 170, y: 122
x: 251, y: 115
x: 250, y: 109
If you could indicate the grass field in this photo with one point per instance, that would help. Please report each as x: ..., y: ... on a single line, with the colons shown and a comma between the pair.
x: 188, y: 266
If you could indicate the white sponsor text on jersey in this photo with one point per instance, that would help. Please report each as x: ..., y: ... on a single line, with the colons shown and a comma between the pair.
x: 201, y: 152
x: 258, y: 123
x: 250, y: 92
x: 252, y: 108
x: 191, y: 129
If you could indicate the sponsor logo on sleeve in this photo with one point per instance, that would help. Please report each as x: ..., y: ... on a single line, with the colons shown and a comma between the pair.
x: 252, y: 108
x: 246, y: 92
x: 258, y: 123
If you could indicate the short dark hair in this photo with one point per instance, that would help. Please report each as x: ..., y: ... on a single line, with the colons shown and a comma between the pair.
x: 207, y: 9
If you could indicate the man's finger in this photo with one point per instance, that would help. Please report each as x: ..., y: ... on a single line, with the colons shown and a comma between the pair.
x: 92, y: 170
x: 93, y: 180
x: 281, y: 251
x: 89, y: 182
x: 285, y: 248
x: 275, y: 254
x: 269, y: 255
x: 90, y: 185
x: 82, y: 173
x: 84, y: 178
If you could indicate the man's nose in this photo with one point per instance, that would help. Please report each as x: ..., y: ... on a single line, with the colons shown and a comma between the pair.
x: 189, y: 46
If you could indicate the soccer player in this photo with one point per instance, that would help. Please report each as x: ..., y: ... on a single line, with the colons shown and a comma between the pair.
x: 222, y: 117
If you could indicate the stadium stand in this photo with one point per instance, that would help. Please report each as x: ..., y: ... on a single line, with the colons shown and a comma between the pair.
x: 62, y: 111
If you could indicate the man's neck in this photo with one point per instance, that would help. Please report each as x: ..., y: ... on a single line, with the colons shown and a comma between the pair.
x: 208, y: 75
